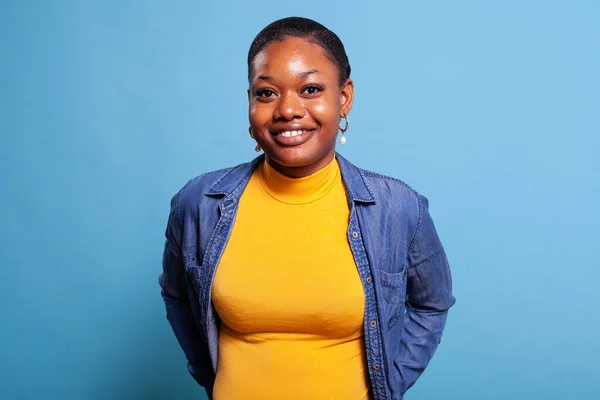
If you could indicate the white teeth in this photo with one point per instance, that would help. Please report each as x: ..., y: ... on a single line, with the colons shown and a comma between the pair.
x: 292, y: 133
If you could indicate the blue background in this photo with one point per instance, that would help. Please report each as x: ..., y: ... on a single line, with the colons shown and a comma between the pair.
x: 490, y: 109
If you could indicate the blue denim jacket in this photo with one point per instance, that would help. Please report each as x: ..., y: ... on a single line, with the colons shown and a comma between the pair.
x: 399, y: 257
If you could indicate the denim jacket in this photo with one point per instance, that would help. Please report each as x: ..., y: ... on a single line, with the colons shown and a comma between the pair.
x: 399, y: 257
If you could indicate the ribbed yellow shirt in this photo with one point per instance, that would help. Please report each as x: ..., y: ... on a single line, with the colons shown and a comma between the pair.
x: 288, y: 294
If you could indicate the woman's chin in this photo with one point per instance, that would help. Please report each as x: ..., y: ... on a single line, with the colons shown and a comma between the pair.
x: 297, y: 159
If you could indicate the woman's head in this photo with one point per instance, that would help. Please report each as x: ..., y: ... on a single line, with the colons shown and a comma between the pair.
x: 309, y: 30
x: 300, y: 87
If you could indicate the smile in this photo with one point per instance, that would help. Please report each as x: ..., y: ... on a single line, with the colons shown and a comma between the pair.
x: 293, y: 133
x: 293, y: 137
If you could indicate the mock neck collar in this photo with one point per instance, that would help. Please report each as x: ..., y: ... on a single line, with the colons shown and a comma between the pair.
x: 299, y: 190
x: 233, y: 180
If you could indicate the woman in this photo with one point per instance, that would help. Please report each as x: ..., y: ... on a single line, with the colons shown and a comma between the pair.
x: 299, y: 275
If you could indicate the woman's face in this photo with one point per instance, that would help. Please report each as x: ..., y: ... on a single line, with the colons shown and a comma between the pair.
x: 295, y: 105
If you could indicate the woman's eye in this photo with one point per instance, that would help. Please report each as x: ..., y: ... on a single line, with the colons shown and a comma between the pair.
x: 265, y: 93
x: 313, y: 89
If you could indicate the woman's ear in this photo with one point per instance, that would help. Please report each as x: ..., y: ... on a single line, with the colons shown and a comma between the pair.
x: 346, y: 97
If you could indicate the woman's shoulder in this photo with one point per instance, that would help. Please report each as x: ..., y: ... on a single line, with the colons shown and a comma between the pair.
x: 394, y: 192
x: 370, y: 178
x: 389, y: 182
x: 380, y: 186
x: 207, y: 179
x: 396, y: 197
x: 215, y: 182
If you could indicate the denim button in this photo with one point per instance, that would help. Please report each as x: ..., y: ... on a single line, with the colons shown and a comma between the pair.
x: 369, y: 280
x: 376, y: 367
x: 354, y: 235
x: 372, y: 324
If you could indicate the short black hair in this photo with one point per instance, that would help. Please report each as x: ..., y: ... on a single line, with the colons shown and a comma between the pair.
x: 307, y: 29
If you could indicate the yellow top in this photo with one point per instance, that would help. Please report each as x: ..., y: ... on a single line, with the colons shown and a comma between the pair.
x: 288, y: 294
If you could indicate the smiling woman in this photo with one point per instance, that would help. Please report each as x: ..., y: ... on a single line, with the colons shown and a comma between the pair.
x: 297, y: 96
x: 298, y: 275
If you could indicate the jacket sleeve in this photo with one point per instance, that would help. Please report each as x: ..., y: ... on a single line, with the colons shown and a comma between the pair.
x: 428, y: 298
x: 176, y: 295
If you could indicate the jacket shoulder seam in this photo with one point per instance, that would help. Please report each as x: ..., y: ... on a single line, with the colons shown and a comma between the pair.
x: 418, y: 224
x: 177, y: 213
x: 223, y: 176
x: 416, y: 195
x: 390, y: 178
x: 190, y: 182
x: 223, y: 171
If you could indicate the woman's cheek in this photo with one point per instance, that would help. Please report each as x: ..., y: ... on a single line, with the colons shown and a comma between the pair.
x: 326, y: 110
x: 256, y: 110
x: 319, y: 110
x: 259, y: 114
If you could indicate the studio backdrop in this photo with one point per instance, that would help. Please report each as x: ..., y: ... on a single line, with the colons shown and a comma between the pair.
x: 107, y: 108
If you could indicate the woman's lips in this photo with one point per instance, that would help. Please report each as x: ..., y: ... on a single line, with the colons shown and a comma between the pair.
x: 293, y: 138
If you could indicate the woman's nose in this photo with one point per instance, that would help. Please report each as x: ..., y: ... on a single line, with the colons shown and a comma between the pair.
x: 289, y: 107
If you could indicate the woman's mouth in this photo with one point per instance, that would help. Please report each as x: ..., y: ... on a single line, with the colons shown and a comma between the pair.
x: 292, y: 133
x: 293, y: 137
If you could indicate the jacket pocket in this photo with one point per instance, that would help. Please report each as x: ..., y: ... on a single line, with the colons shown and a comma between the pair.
x: 393, y: 288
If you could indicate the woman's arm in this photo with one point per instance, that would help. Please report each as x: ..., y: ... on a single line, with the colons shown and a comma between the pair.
x: 428, y: 298
x: 177, y: 301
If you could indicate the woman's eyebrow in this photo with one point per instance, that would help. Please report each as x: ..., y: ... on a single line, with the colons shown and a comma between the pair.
x: 301, y: 75
x: 265, y: 78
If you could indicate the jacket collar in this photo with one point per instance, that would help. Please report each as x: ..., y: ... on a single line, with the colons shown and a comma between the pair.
x: 356, y: 187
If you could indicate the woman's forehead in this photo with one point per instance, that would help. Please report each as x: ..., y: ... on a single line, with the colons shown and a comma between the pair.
x: 293, y: 56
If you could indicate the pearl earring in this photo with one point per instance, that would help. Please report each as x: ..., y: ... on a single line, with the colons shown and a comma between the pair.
x: 343, y: 130
x: 257, y: 147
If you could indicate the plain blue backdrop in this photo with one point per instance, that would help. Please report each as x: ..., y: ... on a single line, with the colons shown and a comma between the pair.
x: 490, y: 109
